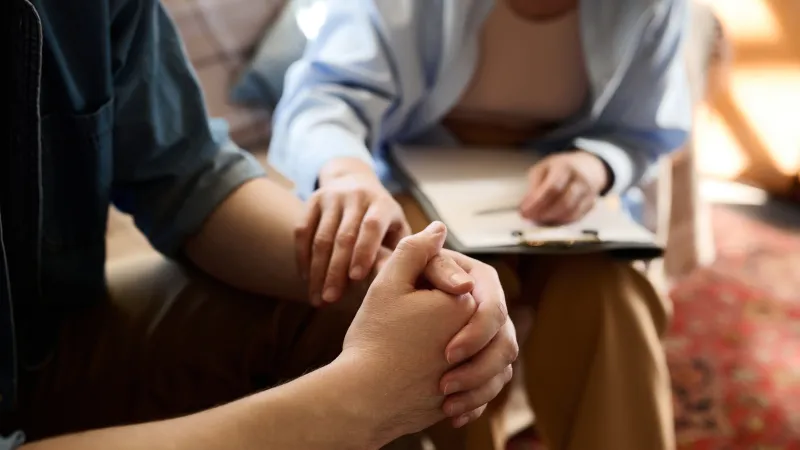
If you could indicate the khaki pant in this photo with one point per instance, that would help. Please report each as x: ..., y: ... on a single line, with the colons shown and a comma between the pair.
x: 590, y: 330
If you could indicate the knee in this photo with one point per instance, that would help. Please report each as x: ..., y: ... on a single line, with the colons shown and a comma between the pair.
x: 602, y: 284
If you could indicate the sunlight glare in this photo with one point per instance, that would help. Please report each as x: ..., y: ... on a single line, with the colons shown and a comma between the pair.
x: 748, y: 21
x: 310, y: 17
x: 721, y: 155
x: 769, y: 97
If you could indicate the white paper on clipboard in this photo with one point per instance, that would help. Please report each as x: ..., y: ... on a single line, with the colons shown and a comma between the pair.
x: 474, y: 192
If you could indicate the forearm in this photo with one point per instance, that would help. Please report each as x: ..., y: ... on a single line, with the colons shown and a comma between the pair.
x: 318, y: 411
x: 248, y: 241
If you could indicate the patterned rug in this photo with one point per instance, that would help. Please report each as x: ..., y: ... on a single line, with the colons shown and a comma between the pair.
x: 734, y: 348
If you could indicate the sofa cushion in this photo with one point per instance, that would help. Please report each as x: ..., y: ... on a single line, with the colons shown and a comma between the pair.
x: 249, y: 127
x: 283, y: 43
x: 219, y: 36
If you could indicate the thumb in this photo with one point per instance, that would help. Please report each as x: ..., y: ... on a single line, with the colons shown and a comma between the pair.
x: 411, y: 257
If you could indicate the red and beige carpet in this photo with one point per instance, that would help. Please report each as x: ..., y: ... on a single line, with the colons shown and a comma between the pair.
x: 734, y: 347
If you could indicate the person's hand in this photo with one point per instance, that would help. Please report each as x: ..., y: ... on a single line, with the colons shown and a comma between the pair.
x: 348, y: 220
x: 564, y: 187
x: 483, y: 351
x: 400, y: 333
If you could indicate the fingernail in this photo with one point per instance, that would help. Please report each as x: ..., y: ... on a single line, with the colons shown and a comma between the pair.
x: 459, y: 278
x: 330, y: 294
x: 451, y: 387
x: 454, y: 409
x: 356, y: 273
x: 455, y: 356
x: 461, y: 421
x: 435, y: 227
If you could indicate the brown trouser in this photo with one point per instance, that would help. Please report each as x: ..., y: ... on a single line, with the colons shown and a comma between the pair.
x: 169, y: 342
x: 595, y: 372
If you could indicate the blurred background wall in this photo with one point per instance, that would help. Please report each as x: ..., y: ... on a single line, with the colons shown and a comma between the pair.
x: 749, y: 130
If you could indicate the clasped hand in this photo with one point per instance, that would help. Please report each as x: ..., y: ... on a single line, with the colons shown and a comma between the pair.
x: 441, y: 349
x: 350, y: 222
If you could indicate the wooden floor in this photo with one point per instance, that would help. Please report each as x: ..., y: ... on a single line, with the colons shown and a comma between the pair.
x: 750, y: 131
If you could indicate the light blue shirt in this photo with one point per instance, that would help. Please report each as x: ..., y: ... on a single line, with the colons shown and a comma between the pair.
x: 387, y: 71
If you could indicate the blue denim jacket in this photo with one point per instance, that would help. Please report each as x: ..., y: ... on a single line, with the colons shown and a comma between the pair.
x: 384, y: 71
x: 107, y: 110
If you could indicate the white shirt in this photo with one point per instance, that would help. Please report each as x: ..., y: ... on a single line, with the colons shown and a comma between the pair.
x: 385, y: 71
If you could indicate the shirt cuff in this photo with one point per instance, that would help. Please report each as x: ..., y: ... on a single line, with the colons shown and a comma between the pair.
x: 230, y: 169
x: 319, y: 147
x: 623, y: 166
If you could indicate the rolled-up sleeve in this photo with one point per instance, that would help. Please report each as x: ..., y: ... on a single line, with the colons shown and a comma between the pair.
x: 172, y: 166
x: 650, y: 114
x: 364, y: 65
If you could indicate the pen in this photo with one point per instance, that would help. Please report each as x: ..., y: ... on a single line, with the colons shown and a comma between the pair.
x: 498, y: 210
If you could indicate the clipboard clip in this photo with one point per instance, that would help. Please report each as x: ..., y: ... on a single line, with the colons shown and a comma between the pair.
x: 528, y: 239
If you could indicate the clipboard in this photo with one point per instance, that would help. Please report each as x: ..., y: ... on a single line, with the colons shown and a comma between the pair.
x: 439, y: 170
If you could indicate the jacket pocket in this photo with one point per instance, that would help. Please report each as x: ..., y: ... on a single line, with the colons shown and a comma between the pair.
x: 77, y: 170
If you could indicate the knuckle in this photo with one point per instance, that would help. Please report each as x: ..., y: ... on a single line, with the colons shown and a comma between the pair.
x: 491, y: 271
x: 330, y: 198
x: 501, y: 313
x: 478, y: 397
x: 371, y: 223
x: 573, y: 190
x: 475, y: 414
x: 316, y: 196
x: 494, y: 387
x: 322, y: 243
x: 406, y: 244
x: 468, y: 304
x: 459, y: 311
x: 438, y: 267
x: 346, y: 239
x: 360, y: 194
x: 395, y: 208
x: 511, y: 354
x: 508, y: 373
x: 514, y: 353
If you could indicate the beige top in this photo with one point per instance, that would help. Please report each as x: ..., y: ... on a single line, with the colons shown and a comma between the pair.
x: 530, y: 76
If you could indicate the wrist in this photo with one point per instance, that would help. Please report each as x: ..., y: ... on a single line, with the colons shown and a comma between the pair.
x: 364, y: 415
x: 331, y: 407
x: 342, y: 167
x: 599, y: 172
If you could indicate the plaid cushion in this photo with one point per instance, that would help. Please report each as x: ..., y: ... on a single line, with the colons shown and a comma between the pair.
x: 220, y: 36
